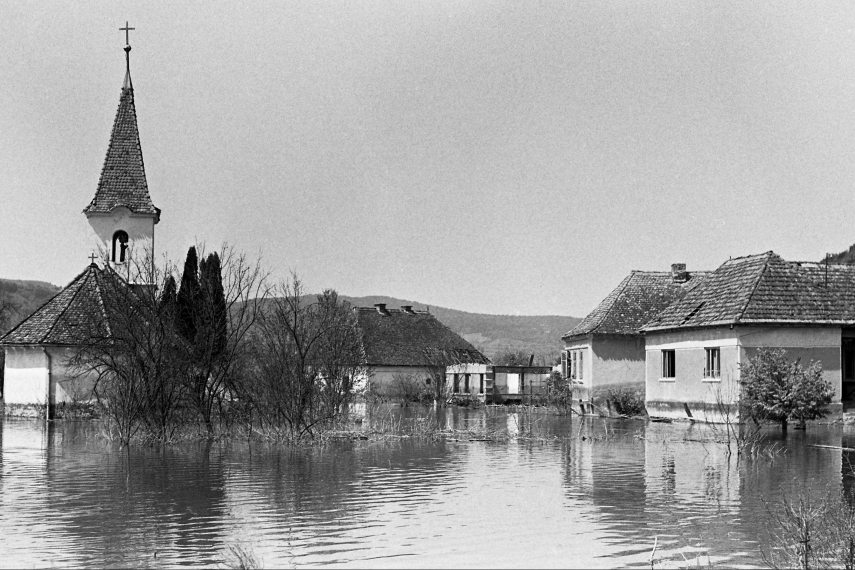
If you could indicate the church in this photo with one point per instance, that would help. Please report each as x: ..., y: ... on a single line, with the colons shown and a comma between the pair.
x: 122, y: 218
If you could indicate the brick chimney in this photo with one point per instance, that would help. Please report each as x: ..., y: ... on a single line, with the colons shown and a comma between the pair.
x: 381, y: 308
x: 679, y: 273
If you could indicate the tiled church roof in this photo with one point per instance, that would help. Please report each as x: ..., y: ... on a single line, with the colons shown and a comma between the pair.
x: 638, y: 298
x: 123, y: 181
x: 76, y: 310
x: 394, y: 337
x: 765, y: 289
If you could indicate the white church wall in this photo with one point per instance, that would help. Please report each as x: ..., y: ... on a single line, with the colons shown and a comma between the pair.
x: 27, y: 372
x: 25, y: 376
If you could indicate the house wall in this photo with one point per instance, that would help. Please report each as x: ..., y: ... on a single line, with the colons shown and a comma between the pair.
x: 477, y: 378
x: 617, y: 360
x: 689, y: 394
x: 388, y: 379
x: 27, y: 374
x: 517, y: 383
x: 608, y: 361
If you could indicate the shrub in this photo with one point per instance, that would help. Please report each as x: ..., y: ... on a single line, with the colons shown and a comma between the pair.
x: 627, y: 401
x: 777, y: 389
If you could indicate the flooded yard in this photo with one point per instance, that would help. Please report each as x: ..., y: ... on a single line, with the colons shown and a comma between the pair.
x: 570, y: 492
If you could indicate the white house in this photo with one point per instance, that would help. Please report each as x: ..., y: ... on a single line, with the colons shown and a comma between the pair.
x: 694, y: 348
x: 606, y: 348
x: 407, y: 350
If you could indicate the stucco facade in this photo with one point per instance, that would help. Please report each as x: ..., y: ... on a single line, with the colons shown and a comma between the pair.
x: 138, y: 227
x: 693, y: 393
x: 39, y: 375
x: 606, y: 360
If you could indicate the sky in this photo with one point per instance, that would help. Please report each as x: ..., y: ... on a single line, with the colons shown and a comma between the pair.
x: 498, y: 157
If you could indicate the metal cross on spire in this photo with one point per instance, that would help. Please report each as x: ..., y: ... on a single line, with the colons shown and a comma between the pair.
x: 127, y: 29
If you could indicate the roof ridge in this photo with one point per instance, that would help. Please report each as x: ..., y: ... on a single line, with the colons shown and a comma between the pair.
x: 43, y: 305
x: 768, y: 255
x: 67, y: 305
x: 100, y: 296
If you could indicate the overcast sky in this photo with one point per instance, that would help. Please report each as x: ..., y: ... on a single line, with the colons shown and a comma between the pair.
x: 503, y: 157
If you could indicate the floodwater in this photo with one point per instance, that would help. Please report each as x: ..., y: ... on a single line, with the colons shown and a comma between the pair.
x: 585, y: 493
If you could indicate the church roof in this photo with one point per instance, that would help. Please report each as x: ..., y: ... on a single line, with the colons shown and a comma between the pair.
x: 637, y: 299
x: 123, y: 181
x: 77, y: 309
x: 765, y: 289
x: 395, y: 337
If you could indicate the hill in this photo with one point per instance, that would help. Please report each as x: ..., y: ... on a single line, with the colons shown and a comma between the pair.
x: 22, y: 298
x: 493, y: 334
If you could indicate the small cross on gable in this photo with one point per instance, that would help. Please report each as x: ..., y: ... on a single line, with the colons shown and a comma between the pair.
x: 92, y: 258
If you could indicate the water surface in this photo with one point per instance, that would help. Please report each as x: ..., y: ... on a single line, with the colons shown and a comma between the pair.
x: 585, y: 493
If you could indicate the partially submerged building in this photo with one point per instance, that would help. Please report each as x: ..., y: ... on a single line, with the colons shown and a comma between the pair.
x: 517, y: 384
x: 695, y: 346
x: 122, y: 218
x: 606, y: 348
x: 408, y: 349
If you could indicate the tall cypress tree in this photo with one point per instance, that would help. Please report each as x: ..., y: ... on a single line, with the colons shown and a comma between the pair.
x: 214, y: 301
x: 187, y: 301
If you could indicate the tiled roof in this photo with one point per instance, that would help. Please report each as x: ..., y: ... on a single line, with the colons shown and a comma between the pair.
x: 123, y: 181
x: 639, y: 297
x: 76, y: 308
x: 765, y: 289
x: 396, y: 337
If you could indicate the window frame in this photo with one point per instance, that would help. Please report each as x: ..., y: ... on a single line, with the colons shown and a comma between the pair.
x: 668, y: 356
x: 712, y: 356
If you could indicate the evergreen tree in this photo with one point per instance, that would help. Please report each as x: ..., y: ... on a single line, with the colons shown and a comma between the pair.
x: 212, y: 325
x: 169, y: 295
x: 187, y: 300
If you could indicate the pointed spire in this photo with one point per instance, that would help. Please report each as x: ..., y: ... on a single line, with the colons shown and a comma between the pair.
x: 123, y: 181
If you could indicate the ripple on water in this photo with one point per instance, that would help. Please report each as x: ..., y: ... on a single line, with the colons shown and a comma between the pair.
x: 598, y: 496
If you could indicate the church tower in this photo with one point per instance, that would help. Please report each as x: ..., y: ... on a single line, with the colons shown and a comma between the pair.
x: 122, y: 214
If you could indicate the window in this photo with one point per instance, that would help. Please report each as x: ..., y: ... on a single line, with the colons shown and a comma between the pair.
x: 565, y: 372
x: 573, y: 369
x: 481, y: 385
x: 581, y: 368
x: 466, y: 383
x: 120, y: 246
x: 669, y: 369
x: 712, y: 367
x: 456, y: 383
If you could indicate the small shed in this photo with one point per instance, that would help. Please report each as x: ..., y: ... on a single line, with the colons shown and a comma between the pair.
x: 520, y: 384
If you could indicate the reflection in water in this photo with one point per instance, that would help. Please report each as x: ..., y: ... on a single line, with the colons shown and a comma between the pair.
x: 567, y: 492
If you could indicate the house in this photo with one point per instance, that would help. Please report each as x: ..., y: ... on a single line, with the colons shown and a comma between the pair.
x: 122, y: 218
x: 606, y: 348
x: 694, y: 348
x: 407, y: 350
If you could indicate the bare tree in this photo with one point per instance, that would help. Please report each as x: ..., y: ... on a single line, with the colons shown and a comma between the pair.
x: 133, y: 353
x: 307, y: 355
x: 147, y: 373
x: 437, y: 361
